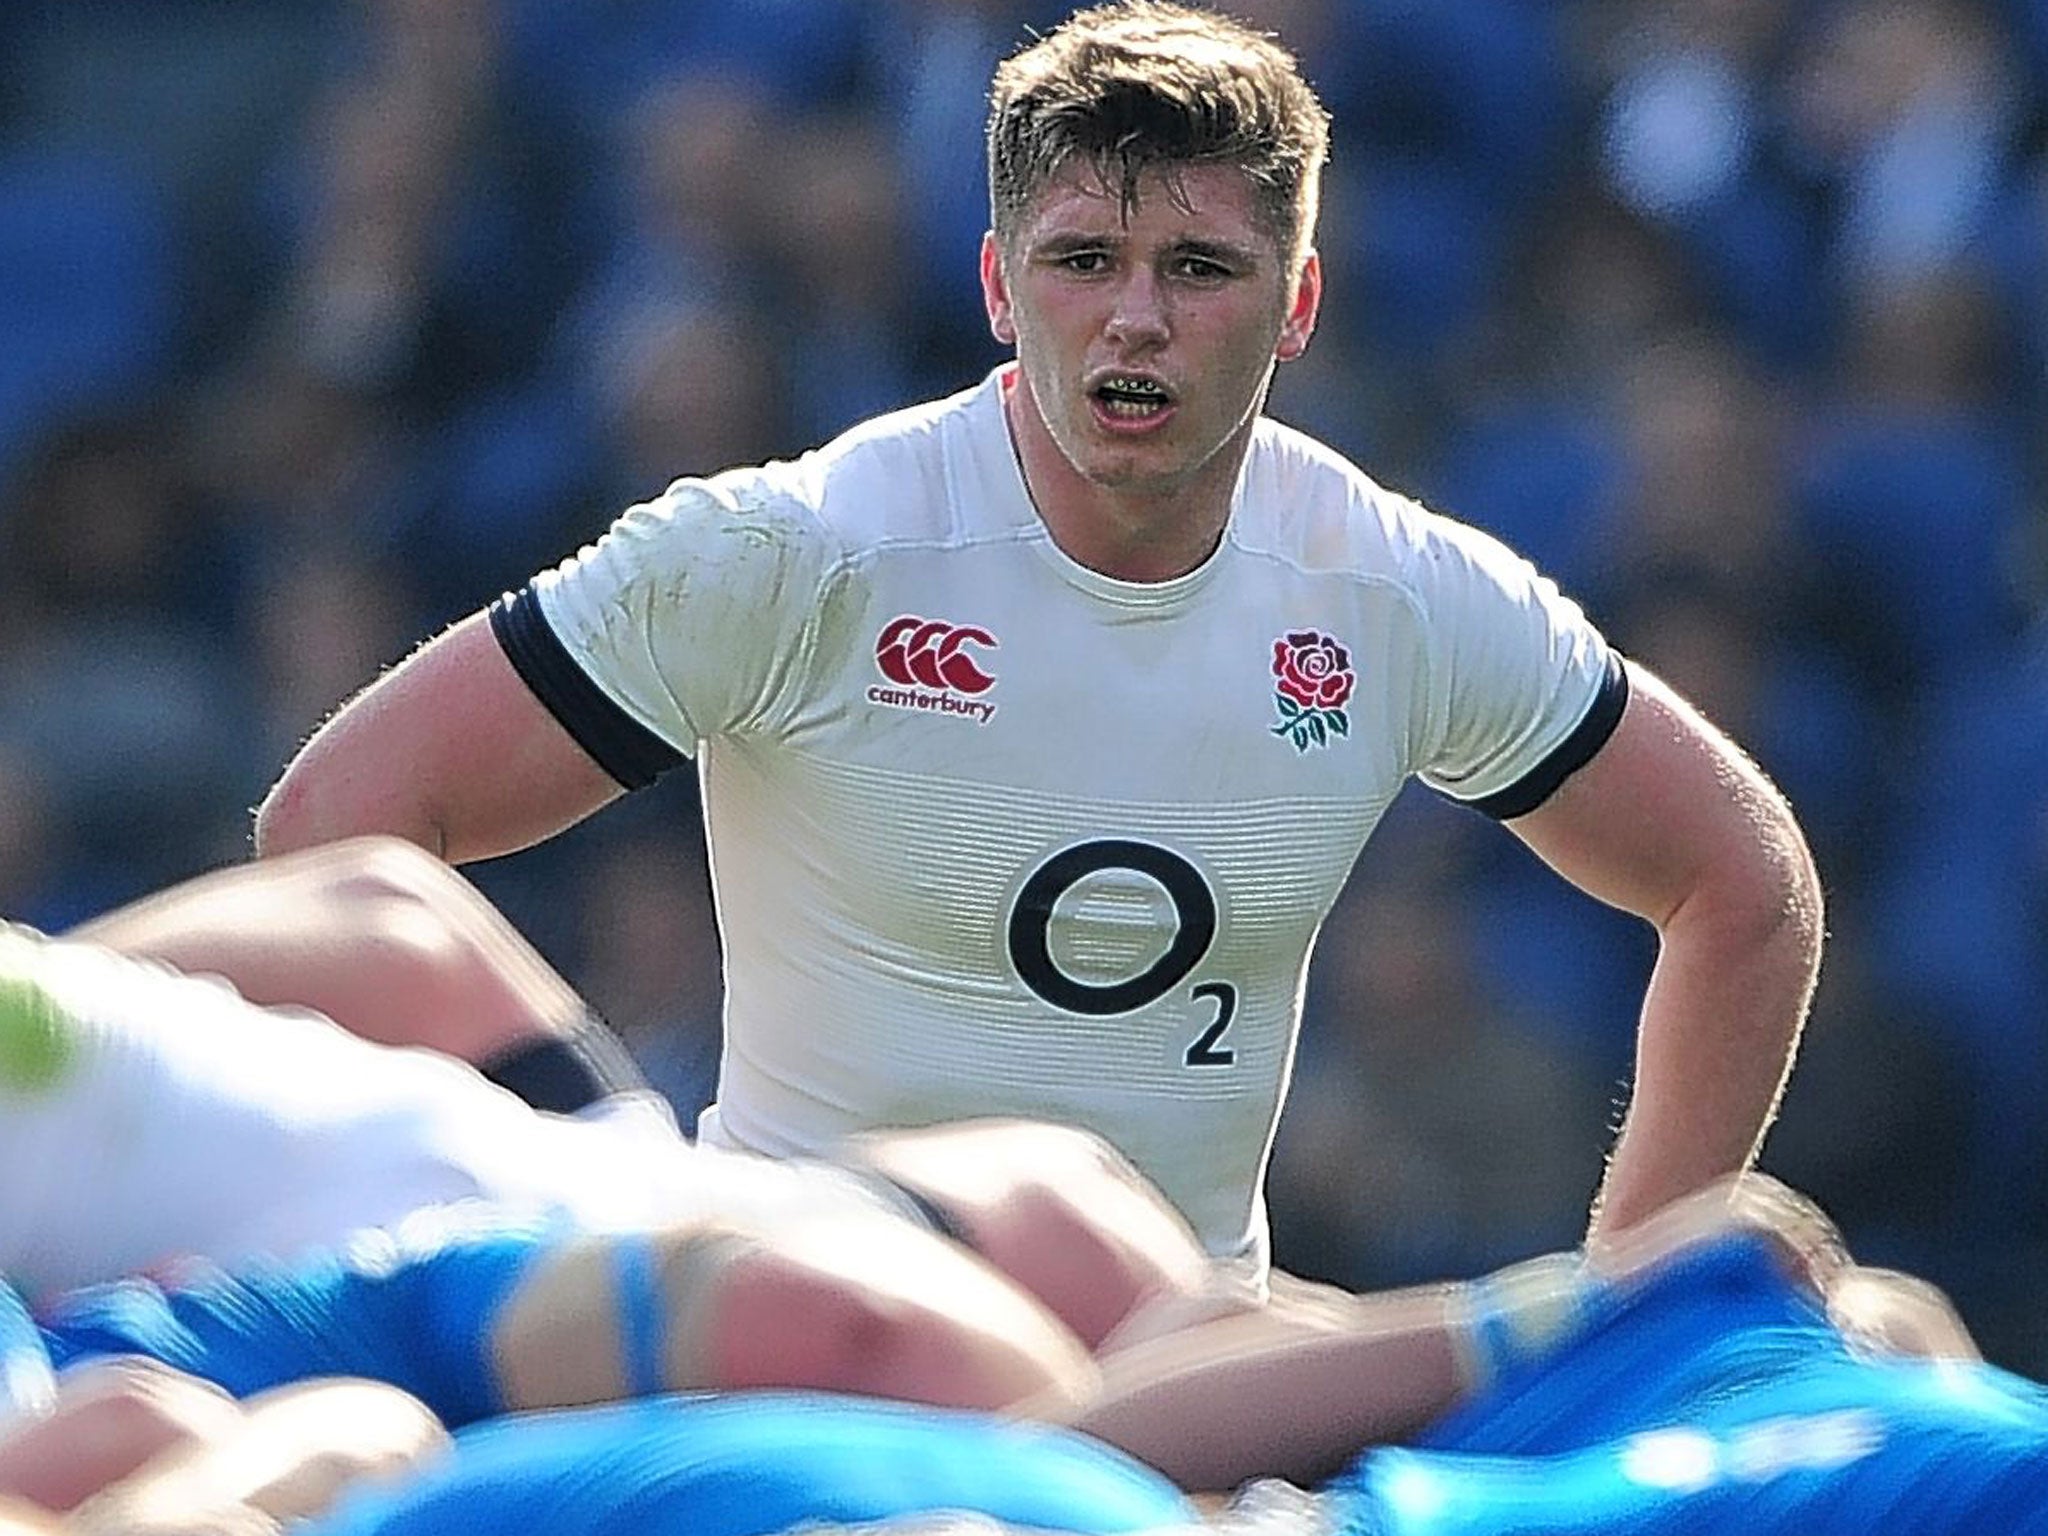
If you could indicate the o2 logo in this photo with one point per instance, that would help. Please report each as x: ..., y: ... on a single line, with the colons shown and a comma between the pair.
x: 1194, y: 907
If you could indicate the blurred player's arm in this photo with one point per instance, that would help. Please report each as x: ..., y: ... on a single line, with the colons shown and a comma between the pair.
x: 138, y: 1448
x: 1281, y: 1392
x: 110, y: 1417
x: 1884, y: 1310
x: 1296, y: 1392
x: 289, y: 1454
x: 450, y: 750
x: 1807, y: 1243
x: 375, y: 933
x: 1672, y: 822
x: 859, y: 1303
x: 19, y: 1519
x: 1899, y: 1314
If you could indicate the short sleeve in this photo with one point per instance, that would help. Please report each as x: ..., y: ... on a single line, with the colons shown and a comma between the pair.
x: 1522, y: 689
x: 691, y: 618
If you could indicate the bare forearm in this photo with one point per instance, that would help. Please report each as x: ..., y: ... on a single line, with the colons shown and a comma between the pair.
x: 1720, y: 1026
x: 1266, y: 1394
x: 1672, y: 822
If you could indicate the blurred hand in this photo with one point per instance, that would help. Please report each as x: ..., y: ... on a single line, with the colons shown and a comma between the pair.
x: 1899, y: 1314
x: 1806, y: 1242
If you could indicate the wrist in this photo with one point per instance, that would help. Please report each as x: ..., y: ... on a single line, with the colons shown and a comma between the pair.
x: 1505, y: 1321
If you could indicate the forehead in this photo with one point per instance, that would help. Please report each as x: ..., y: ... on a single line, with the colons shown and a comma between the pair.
x: 1198, y: 202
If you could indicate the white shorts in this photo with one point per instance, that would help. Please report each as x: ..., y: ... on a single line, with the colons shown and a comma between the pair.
x: 146, y: 1116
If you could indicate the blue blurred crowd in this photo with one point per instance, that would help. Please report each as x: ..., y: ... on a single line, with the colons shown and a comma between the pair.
x: 324, y: 321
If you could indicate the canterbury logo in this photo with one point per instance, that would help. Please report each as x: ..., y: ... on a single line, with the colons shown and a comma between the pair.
x: 934, y: 654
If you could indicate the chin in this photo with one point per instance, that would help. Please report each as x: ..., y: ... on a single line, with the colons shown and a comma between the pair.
x: 1123, y: 472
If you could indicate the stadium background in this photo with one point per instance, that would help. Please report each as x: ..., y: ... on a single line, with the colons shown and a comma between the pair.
x: 322, y: 323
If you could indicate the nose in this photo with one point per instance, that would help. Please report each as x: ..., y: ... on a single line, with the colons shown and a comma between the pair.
x: 1138, y: 312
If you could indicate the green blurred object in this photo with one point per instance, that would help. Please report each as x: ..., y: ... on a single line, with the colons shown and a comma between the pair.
x: 36, y: 1046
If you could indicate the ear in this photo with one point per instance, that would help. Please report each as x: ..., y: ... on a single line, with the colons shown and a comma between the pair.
x: 995, y: 292
x: 1300, y: 323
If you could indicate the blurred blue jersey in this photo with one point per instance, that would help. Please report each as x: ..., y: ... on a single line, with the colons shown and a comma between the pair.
x: 416, y: 1310
x: 762, y: 1462
x: 1718, y: 1398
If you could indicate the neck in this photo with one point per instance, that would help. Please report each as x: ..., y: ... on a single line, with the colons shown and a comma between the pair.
x: 1132, y: 533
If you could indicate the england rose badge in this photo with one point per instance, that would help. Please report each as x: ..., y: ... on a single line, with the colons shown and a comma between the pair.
x: 1312, y: 682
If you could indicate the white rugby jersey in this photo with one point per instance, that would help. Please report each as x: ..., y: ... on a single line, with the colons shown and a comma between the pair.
x: 992, y: 833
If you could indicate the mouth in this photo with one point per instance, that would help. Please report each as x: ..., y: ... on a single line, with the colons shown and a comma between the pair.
x: 1130, y: 399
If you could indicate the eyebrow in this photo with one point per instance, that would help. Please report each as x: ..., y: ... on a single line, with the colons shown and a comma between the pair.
x: 1065, y: 242
x: 1071, y: 240
x: 1218, y: 250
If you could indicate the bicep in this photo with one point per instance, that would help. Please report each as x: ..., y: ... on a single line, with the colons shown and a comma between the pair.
x: 1667, y: 807
x: 450, y: 749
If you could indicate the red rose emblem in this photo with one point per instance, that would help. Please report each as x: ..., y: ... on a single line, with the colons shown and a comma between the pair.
x: 1312, y: 679
x: 1313, y: 670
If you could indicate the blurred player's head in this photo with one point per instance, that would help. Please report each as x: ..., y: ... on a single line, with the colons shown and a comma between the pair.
x: 1138, y: 87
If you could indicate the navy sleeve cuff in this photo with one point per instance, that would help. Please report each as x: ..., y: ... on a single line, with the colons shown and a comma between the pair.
x: 1570, y: 755
x: 616, y: 742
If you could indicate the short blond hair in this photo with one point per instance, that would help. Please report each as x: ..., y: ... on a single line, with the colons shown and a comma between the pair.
x: 1141, y: 86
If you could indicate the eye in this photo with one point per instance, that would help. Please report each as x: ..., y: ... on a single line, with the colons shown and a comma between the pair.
x: 1084, y: 261
x: 1202, y: 269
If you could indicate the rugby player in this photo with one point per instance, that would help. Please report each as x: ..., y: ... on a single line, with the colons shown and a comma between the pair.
x: 1040, y: 726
